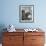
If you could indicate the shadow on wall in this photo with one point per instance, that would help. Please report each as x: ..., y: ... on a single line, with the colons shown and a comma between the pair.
x: 2, y: 26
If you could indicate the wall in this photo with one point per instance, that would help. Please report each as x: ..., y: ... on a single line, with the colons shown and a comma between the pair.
x: 10, y: 13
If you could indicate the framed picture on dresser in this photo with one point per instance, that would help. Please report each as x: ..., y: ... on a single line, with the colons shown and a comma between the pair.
x: 26, y: 13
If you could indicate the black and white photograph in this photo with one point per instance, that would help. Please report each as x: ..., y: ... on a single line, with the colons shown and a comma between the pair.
x: 26, y: 13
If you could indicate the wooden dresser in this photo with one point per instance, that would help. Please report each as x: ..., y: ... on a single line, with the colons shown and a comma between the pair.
x: 23, y: 39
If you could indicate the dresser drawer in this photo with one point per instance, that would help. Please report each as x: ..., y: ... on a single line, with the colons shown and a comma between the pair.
x: 34, y: 33
x: 37, y: 39
x: 12, y: 39
x: 13, y: 44
x: 13, y: 33
x: 37, y: 44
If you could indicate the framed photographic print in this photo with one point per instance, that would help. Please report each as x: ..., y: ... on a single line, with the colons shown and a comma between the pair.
x: 26, y: 13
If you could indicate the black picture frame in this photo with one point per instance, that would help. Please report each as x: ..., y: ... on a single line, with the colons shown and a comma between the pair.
x: 26, y: 13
